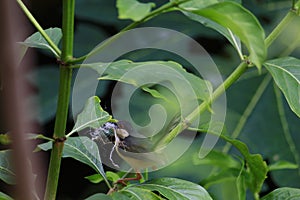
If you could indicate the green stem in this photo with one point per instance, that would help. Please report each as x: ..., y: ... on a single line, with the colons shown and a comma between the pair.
x: 203, y: 106
x: 248, y: 111
x: 296, y: 6
x: 39, y: 28
x: 63, y: 99
x: 280, y: 27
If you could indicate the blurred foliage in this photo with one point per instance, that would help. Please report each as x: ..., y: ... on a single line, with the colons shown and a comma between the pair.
x: 263, y: 131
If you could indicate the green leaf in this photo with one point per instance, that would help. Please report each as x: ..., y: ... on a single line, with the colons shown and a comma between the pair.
x: 95, y: 178
x: 218, y: 159
x: 282, y: 165
x: 4, y: 139
x: 37, y: 41
x: 240, y: 21
x: 193, y: 5
x: 116, y: 70
x: 92, y: 115
x: 283, y: 193
x: 132, y: 9
x: 257, y: 167
x: 220, y: 177
x: 154, y: 93
x: 5, y: 196
x: 99, y: 196
x: 112, y: 176
x: 286, y: 73
x: 82, y: 149
x: 173, y: 188
x: 136, y: 193
x: 33, y: 136
x: 6, y: 170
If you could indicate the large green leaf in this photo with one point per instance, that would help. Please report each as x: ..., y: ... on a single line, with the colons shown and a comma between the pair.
x: 82, y: 149
x: 195, y: 4
x: 116, y: 70
x: 239, y: 20
x: 283, y: 194
x: 173, y: 188
x: 169, y: 188
x: 92, y: 115
x: 133, y: 9
x: 6, y: 170
x: 37, y: 40
x: 286, y: 73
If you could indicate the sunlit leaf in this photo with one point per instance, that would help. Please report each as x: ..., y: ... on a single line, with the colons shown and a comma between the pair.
x: 282, y: 165
x: 92, y: 115
x: 283, y: 194
x: 239, y: 20
x: 133, y: 9
x: 286, y: 73
x: 95, y: 178
x: 82, y: 149
x: 112, y: 176
x: 37, y: 40
x: 6, y: 170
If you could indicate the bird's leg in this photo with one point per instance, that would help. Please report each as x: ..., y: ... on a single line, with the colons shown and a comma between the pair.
x: 136, y: 178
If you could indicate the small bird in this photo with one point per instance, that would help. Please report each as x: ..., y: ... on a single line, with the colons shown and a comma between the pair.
x: 138, y: 152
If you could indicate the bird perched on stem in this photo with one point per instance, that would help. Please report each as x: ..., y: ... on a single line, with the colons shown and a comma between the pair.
x: 135, y: 149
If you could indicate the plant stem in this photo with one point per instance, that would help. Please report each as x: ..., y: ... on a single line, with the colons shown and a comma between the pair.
x: 280, y: 27
x: 63, y: 99
x: 39, y: 28
x: 203, y: 106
